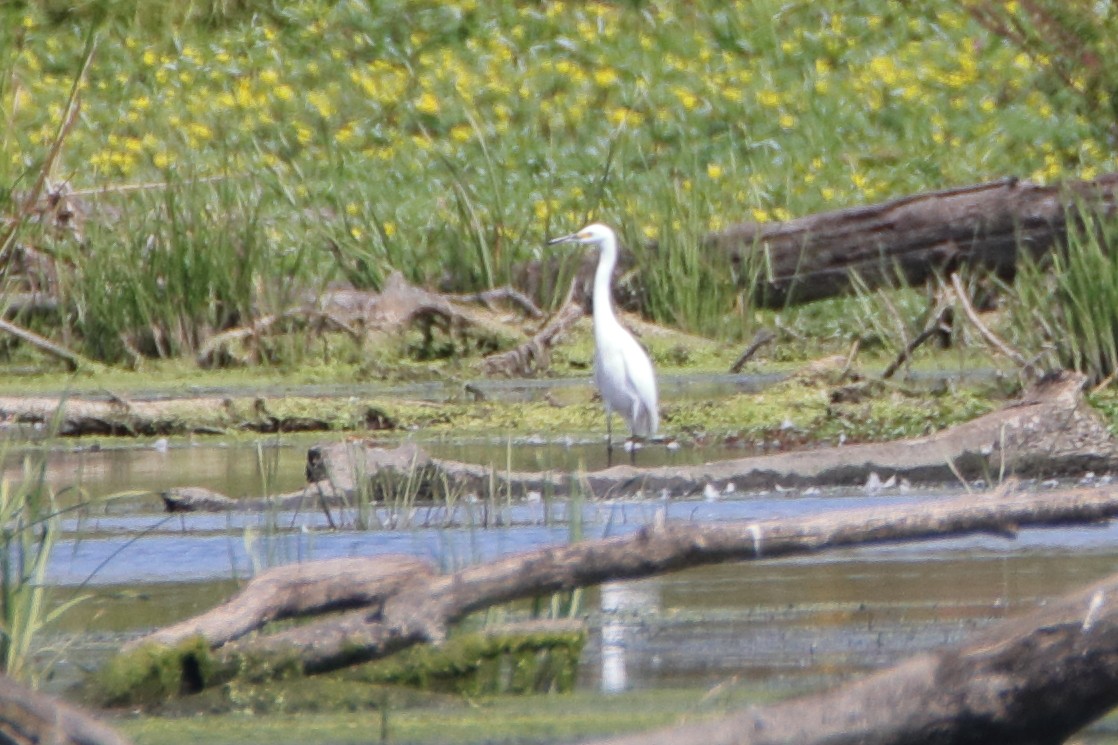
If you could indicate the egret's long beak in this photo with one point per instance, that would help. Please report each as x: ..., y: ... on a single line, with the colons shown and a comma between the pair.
x: 564, y: 239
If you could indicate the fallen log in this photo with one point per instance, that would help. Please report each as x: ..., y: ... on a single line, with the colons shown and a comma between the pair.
x: 1031, y: 680
x: 1050, y: 430
x: 534, y: 355
x: 424, y: 607
x: 28, y: 717
x: 294, y: 591
x: 910, y: 239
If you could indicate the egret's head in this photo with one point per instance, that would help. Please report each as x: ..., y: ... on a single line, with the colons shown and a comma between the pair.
x: 596, y: 233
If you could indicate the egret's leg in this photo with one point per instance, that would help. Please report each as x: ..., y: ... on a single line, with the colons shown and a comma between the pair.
x: 609, y: 439
x: 633, y: 439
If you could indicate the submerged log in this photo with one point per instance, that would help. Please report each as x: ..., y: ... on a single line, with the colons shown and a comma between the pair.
x: 82, y: 415
x: 1050, y: 430
x: 1031, y: 680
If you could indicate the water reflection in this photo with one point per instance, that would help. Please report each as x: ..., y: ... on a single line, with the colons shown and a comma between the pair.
x: 626, y: 608
x: 89, y: 472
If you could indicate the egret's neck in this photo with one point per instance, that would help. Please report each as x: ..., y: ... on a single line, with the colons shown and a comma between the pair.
x: 607, y: 259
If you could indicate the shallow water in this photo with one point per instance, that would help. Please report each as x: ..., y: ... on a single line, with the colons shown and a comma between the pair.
x: 787, y: 624
x: 790, y: 622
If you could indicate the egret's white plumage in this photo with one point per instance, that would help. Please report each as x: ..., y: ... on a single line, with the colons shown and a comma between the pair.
x: 622, y: 370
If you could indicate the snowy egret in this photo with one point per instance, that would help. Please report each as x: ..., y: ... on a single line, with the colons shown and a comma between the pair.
x: 622, y: 370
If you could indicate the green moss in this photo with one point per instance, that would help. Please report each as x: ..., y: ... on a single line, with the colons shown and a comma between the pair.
x: 800, y: 411
x: 152, y: 674
x: 481, y: 663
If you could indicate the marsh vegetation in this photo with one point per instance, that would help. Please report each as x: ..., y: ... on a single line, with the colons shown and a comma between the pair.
x: 172, y: 172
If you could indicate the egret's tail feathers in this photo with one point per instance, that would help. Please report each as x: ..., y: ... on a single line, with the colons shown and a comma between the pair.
x: 646, y: 422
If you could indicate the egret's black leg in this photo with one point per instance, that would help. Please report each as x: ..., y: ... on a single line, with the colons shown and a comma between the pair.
x: 609, y: 440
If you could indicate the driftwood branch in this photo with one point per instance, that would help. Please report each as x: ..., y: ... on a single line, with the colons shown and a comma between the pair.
x: 940, y: 326
x: 534, y: 355
x: 501, y: 294
x: 760, y: 339
x: 72, y: 360
x: 1032, y: 680
x: 78, y: 415
x: 297, y: 590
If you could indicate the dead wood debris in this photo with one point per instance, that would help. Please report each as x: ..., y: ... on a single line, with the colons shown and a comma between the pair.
x: 940, y: 327
x: 760, y: 339
x: 534, y: 355
x: 1027, y: 368
x: 362, y: 314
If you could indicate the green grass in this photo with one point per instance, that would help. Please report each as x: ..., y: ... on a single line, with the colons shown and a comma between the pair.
x: 231, y: 158
x: 516, y: 719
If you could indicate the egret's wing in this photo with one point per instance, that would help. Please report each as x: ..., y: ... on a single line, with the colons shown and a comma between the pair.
x: 640, y: 379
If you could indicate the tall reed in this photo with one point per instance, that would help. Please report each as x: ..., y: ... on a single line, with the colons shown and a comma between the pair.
x: 1064, y: 308
x: 29, y: 528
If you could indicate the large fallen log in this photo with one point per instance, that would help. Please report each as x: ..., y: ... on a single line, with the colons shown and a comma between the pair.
x: 1031, y: 680
x: 1051, y: 430
x: 910, y: 239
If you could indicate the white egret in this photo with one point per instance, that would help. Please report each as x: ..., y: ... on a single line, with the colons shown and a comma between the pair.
x: 622, y: 370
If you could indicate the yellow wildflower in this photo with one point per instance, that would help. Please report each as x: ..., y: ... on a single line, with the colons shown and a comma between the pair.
x: 605, y: 76
x: 768, y: 98
x: 321, y: 103
x: 427, y: 104
x: 461, y: 132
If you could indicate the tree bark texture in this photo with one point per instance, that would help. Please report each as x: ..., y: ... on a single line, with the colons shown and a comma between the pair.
x: 906, y: 240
